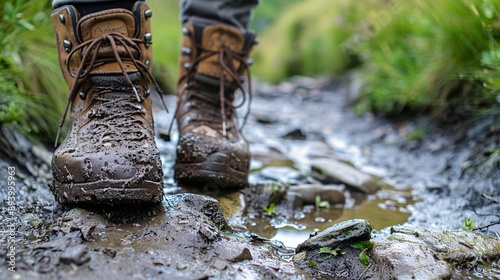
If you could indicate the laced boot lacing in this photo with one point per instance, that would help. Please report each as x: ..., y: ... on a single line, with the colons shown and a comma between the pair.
x: 227, y: 59
x: 90, y: 60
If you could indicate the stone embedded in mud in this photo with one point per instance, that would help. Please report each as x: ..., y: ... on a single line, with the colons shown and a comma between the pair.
x: 348, y: 231
x: 75, y: 255
x: 407, y: 260
x: 194, y: 202
x: 454, y: 247
x: 233, y: 252
x: 283, y: 174
x: 220, y: 265
x: 330, y: 170
x: 262, y: 195
x: 334, y: 194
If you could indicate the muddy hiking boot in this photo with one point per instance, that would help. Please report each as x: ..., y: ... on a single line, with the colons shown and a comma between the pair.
x: 212, y: 152
x: 109, y: 154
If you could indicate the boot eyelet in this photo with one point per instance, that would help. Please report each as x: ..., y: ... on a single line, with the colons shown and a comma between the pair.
x: 67, y: 45
x: 148, y: 14
x: 147, y: 92
x: 186, y: 31
x: 187, y: 65
x: 148, y: 38
x: 83, y: 95
x: 186, y: 51
x: 62, y: 19
x: 249, y: 61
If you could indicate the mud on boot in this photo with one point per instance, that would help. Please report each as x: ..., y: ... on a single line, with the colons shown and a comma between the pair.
x: 109, y: 155
x: 211, y: 149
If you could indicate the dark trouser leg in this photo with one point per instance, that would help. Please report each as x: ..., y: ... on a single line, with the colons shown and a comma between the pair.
x: 206, y: 12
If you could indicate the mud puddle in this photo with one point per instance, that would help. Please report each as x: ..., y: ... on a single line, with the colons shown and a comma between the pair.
x: 297, y: 138
x: 283, y: 152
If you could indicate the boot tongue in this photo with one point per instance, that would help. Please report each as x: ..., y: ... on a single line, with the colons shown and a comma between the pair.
x: 113, y: 20
x: 96, y: 25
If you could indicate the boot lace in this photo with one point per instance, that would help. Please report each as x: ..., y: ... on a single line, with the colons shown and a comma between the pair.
x: 227, y: 58
x: 90, y: 61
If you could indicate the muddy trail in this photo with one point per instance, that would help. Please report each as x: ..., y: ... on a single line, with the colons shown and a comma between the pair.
x: 332, y: 195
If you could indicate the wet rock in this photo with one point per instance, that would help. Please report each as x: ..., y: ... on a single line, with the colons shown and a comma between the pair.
x: 407, y: 260
x: 262, y: 195
x: 109, y: 251
x: 293, y: 201
x: 220, y: 265
x: 283, y: 174
x: 233, y: 252
x: 455, y: 247
x: 42, y: 154
x: 198, y: 203
x: 75, y: 255
x: 60, y: 243
x: 334, y: 194
x: 296, y: 134
x: 318, y: 149
x: 331, y: 170
x: 348, y: 231
x: 78, y: 219
x: 266, y: 117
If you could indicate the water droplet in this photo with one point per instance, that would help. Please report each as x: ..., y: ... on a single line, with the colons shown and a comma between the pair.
x: 319, y: 220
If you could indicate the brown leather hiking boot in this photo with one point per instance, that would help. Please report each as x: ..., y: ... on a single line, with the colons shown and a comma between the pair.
x: 211, y: 149
x: 109, y: 154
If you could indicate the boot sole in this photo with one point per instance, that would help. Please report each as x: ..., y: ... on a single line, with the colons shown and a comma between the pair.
x: 108, y: 192
x: 215, y: 173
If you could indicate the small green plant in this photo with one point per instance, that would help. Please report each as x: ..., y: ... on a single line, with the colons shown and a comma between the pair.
x: 270, y: 210
x: 328, y: 250
x: 321, y: 203
x: 468, y: 224
x: 417, y: 134
x: 363, y: 246
x: 312, y: 263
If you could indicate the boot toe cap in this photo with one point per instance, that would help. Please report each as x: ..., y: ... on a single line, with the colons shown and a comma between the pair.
x: 74, y: 167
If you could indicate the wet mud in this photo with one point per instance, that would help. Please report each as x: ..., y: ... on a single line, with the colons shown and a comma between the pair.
x: 304, y: 139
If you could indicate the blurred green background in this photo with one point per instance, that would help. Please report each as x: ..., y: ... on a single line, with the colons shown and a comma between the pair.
x: 414, y: 57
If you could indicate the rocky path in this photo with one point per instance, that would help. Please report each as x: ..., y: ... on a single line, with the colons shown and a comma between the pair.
x: 316, y: 166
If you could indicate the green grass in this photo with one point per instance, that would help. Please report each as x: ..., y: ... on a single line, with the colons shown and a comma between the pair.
x: 308, y: 39
x: 415, y: 56
x: 32, y: 92
x: 167, y: 35
x: 430, y: 55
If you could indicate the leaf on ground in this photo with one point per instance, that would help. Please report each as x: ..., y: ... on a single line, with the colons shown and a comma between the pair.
x: 363, y: 257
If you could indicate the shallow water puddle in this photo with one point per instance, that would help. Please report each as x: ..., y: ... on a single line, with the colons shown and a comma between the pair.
x: 386, y: 208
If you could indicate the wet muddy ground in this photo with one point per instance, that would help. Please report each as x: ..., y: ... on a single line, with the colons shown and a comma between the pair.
x: 303, y: 139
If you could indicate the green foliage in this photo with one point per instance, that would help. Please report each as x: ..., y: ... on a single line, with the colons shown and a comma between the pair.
x: 308, y: 39
x: 270, y: 210
x: 492, y: 159
x: 328, y: 250
x: 417, y: 134
x: 364, y: 246
x: 364, y: 258
x: 468, y: 224
x: 167, y: 35
x: 311, y: 263
x: 268, y: 12
x: 361, y: 245
x: 32, y: 92
x: 430, y: 55
x: 415, y: 56
x: 321, y: 203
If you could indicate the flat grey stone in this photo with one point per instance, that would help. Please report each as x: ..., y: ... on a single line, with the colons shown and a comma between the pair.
x: 331, y: 193
x: 331, y: 170
x: 348, y: 231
